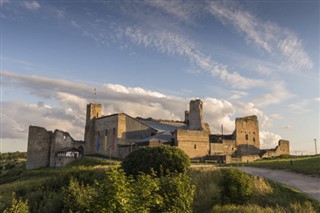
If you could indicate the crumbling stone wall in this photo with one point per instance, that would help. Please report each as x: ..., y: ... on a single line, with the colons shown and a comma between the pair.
x: 61, y: 140
x: 38, y: 151
x: 283, y: 148
x: 44, y: 145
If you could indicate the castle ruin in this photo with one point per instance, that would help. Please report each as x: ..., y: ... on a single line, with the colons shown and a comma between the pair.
x: 116, y: 135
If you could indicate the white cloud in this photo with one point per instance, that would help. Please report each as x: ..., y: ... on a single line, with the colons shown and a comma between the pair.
x: 288, y: 127
x: 299, y: 107
x: 31, y: 5
x: 134, y: 91
x: 278, y: 94
x: 268, y: 139
x: 237, y: 95
x: 277, y: 41
x: 217, y: 113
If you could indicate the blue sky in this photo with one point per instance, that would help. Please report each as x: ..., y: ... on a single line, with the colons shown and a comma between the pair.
x: 150, y: 58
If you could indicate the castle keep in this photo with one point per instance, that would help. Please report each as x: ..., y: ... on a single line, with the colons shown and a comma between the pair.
x: 115, y: 136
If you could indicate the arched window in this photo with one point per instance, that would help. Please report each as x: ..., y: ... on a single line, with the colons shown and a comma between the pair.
x: 247, y: 138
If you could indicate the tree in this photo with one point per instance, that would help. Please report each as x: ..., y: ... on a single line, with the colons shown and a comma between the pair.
x: 161, y: 160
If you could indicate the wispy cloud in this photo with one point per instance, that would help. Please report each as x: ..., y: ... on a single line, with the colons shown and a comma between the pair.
x: 3, y: 2
x: 183, y: 10
x: 278, y: 94
x: 268, y: 36
x: 31, y: 5
x: 287, y: 126
x: 299, y: 107
x: 176, y: 44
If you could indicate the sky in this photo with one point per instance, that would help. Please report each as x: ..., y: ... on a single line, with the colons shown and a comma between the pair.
x: 150, y: 58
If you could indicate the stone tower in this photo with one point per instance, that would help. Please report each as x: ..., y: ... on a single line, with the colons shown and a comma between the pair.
x: 247, y: 134
x: 195, y: 115
x: 93, y: 111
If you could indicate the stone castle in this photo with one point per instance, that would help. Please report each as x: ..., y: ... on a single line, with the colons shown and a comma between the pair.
x: 116, y: 135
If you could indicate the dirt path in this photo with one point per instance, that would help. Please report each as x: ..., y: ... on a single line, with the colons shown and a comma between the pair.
x: 307, y: 184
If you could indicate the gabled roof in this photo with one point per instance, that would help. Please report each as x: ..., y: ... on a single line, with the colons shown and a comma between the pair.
x: 163, y: 127
x: 162, y: 137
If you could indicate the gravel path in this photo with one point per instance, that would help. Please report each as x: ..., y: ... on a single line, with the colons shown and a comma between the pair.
x: 307, y: 184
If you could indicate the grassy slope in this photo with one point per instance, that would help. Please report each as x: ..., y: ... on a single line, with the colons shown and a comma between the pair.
x: 15, y: 178
x: 268, y: 196
x: 40, y: 184
x: 309, y: 165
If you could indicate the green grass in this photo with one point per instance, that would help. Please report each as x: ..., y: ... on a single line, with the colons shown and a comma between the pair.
x: 26, y: 183
x: 306, y: 165
x: 268, y: 196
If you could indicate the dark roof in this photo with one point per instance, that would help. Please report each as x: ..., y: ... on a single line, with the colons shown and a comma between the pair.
x: 162, y: 137
x: 219, y: 138
x: 163, y: 127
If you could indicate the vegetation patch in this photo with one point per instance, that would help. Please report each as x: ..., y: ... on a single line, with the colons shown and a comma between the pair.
x: 306, y: 165
x: 97, y: 185
x: 161, y: 160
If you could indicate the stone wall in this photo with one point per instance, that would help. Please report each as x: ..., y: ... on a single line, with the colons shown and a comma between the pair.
x: 227, y: 147
x: 194, y: 143
x: 106, y: 136
x: 38, y: 151
x: 282, y: 149
x: 61, y: 140
x: 247, y: 135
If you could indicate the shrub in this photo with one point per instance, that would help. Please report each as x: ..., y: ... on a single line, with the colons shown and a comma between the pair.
x: 17, y: 206
x: 121, y: 193
x: 177, y: 192
x: 162, y: 160
x: 236, y: 187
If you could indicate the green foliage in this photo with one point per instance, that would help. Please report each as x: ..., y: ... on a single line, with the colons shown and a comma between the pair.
x: 13, y: 156
x: 79, y: 197
x: 115, y: 192
x: 17, y: 206
x: 237, y: 187
x: 162, y: 160
x: 177, y: 192
x: 121, y: 193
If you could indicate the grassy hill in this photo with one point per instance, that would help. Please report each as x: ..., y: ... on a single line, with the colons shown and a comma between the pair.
x: 306, y: 165
x: 43, y: 188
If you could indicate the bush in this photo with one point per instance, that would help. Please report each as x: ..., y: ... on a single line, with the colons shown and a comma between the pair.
x: 236, y: 187
x: 121, y: 193
x: 17, y: 206
x: 162, y: 160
